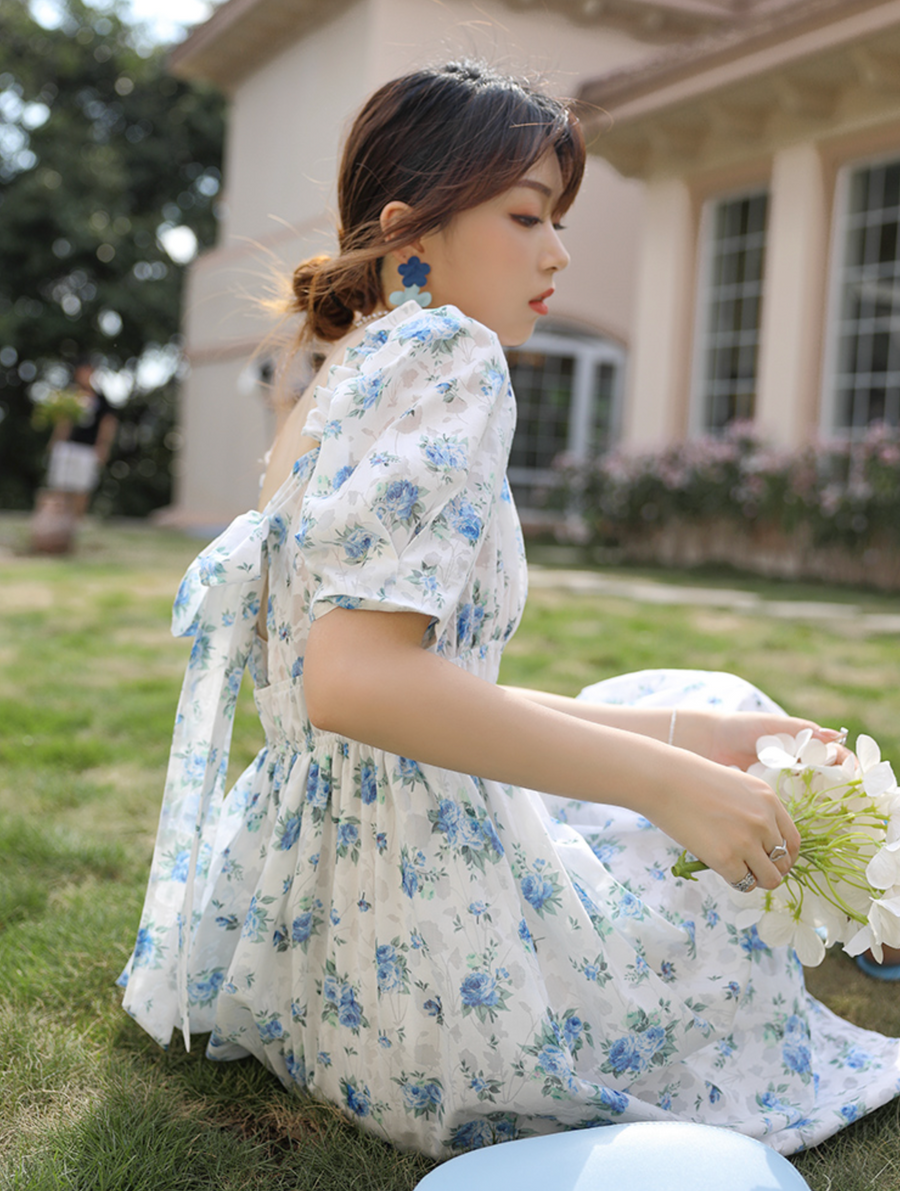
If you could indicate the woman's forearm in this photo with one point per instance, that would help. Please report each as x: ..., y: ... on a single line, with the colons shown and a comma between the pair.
x: 654, y: 722
x: 366, y: 677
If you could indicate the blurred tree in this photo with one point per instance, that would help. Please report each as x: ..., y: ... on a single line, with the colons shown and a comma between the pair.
x: 109, y: 170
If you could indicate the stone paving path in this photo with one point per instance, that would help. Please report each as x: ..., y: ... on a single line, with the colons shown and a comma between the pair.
x: 649, y: 591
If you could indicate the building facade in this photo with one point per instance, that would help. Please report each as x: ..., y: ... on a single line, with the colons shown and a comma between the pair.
x: 295, y: 72
x: 734, y: 248
x: 769, y: 267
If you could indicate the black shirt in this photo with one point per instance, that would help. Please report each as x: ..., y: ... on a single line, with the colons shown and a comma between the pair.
x: 87, y: 428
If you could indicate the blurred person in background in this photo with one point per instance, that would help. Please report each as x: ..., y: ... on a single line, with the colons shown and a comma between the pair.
x: 80, y: 445
x: 84, y: 428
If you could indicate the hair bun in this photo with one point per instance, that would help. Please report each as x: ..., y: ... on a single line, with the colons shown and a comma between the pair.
x: 317, y: 294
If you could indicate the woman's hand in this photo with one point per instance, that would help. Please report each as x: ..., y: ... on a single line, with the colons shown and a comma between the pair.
x: 730, y: 738
x: 731, y: 821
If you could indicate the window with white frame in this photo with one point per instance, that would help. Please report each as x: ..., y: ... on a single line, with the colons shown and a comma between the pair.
x: 568, y: 391
x: 731, y: 307
x: 866, y: 383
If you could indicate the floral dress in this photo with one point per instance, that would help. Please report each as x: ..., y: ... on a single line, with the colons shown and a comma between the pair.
x: 453, y: 961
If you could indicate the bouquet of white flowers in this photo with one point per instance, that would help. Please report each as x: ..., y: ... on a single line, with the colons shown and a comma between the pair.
x: 845, y: 885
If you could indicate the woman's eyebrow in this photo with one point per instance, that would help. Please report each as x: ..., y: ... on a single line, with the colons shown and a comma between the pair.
x: 539, y: 186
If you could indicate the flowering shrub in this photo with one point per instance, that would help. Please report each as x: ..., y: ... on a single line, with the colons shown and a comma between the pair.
x: 844, y: 492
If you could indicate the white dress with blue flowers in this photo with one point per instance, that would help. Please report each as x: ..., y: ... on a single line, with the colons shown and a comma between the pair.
x: 453, y: 961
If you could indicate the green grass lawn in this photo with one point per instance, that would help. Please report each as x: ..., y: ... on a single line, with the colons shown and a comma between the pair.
x: 89, y: 679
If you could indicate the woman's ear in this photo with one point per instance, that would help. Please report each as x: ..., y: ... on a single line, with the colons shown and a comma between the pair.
x: 391, y: 214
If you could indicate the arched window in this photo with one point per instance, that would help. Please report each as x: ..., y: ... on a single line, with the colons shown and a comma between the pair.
x: 568, y: 388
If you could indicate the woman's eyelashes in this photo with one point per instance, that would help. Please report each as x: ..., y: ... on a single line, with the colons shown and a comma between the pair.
x: 534, y: 220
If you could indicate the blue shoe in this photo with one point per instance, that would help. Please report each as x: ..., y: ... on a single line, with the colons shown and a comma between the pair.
x: 876, y: 970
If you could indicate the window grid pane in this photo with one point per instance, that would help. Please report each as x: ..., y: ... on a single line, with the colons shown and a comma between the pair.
x: 733, y: 313
x: 543, y: 387
x: 602, y: 414
x: 868, y: 363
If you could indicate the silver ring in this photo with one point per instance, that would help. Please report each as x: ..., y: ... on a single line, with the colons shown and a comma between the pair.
x: 745, y: 884
x: 779, y: 851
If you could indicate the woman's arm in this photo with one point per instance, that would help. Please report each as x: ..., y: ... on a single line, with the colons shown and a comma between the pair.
x: 61, y: 431
x: 367, y: 677
x: 106, y: 433
x: 728, y: 738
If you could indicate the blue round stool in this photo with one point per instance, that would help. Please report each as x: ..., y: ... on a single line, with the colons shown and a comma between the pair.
x: 644, y: 1156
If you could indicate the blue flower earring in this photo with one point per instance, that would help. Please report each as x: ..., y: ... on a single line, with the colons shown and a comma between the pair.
x: 415, y: 277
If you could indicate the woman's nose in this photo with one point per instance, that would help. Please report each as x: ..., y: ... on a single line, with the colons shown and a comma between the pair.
x: 557, y: 257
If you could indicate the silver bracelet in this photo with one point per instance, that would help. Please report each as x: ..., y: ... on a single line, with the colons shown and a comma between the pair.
x: 672, y: 726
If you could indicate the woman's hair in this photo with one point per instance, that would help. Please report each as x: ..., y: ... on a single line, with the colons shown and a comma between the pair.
x: 441, y: 140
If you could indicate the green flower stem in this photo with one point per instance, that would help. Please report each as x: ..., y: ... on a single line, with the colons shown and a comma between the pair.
x: 685, y: 868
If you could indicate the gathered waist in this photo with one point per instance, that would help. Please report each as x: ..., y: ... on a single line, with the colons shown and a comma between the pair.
x: 282, y: 713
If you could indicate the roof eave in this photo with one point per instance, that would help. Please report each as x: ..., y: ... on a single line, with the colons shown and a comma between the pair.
x: 739, y: 81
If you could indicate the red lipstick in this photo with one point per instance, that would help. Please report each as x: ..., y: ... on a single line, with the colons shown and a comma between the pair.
x: 539, y: 305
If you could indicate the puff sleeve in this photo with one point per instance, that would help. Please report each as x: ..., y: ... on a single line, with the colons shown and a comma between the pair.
x: 415, y: 437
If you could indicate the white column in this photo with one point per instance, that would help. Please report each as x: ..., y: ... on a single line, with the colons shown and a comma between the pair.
x: 793, y: 309
x: 660, y: 360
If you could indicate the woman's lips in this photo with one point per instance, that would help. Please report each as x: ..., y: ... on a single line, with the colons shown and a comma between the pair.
x: 539, y: 305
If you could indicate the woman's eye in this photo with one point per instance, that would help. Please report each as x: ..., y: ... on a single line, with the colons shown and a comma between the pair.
x: 559, y: 227
x: 527, y: 220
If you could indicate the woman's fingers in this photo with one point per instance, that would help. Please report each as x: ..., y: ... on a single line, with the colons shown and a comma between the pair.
x: 764, y: 840
x: 775, y: 861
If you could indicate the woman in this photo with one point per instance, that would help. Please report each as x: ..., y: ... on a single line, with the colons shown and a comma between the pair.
x: 79, y: 450
x: 454, y: 959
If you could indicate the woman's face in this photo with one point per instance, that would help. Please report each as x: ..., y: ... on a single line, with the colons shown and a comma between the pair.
x: 497, y: 262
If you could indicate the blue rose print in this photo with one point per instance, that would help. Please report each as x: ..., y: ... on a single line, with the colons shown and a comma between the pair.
x: 144, y: 948
x: 472, y: 1136
x: 357, y: 1099
x: 795, y: 1048
x: 347, y: 835
x: 341, y: 476
x: 615, y: 1101
x: 409, y: 877
x: 462, y: 517
x: 398, y: 501
x: 368, y: 782
x: 479, y: 989
x: 357, y: 544
x: 536, y: 890
x: 301, y: 927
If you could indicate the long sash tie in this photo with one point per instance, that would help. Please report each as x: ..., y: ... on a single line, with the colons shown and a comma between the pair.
x: 217, y: 604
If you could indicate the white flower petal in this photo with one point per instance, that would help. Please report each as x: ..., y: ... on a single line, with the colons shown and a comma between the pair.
x: 814, y: 752
x: 809, y: 947
x: 775, y: 757
x: 782, y: 751
x: 868, y: 752
x: 879, y: 779
x: 884, y: 921
x: 883, y: 870
x: 862, y: 941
